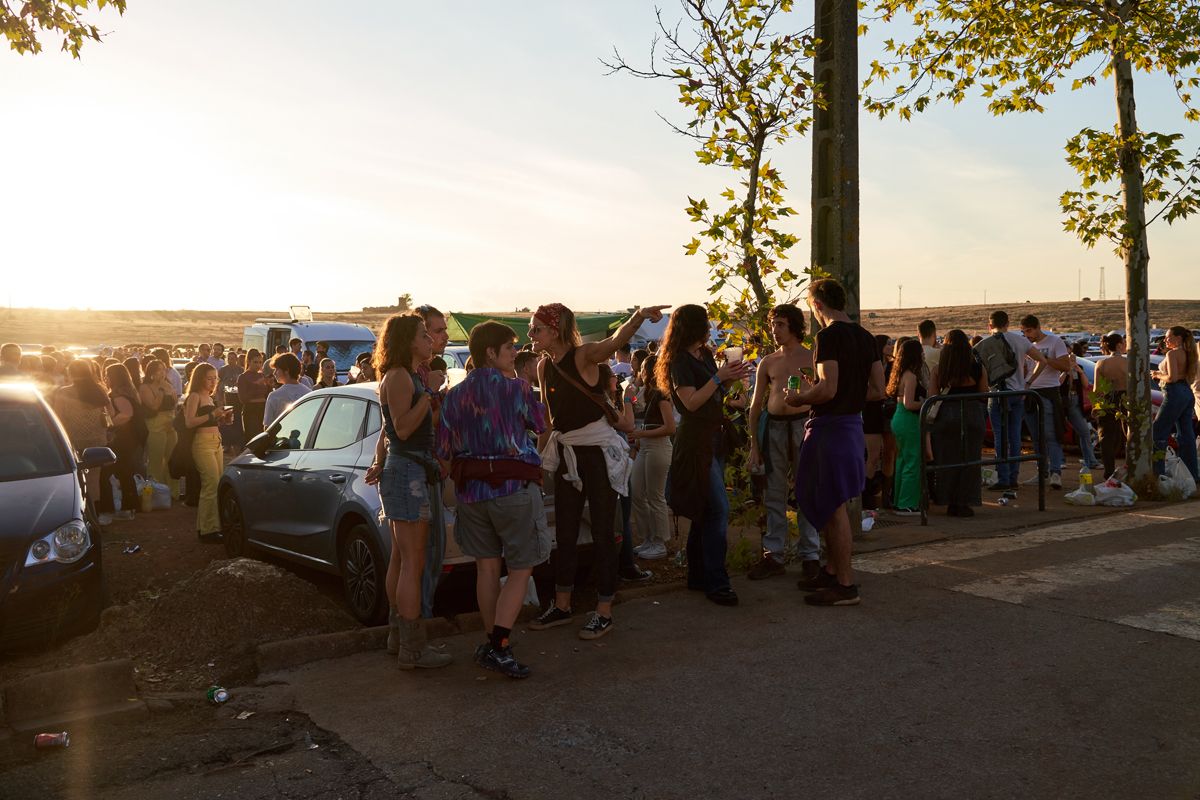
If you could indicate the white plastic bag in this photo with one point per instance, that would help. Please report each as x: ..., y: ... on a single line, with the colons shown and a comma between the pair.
x: 1114, y: 493
x: 1080, y: 497
x: 162, y: 495
x: 116, y: 491
x: 1177, y: 483
x: 531, y: 595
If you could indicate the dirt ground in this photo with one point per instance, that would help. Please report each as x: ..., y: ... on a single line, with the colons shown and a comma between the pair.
x: 186, y: 615
x: 86, y: 327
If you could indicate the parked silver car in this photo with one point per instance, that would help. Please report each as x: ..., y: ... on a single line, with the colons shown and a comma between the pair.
x: 299, y: 491
x: 51, y: 574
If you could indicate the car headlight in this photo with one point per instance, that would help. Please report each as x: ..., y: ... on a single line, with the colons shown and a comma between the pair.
x: 66, y: 545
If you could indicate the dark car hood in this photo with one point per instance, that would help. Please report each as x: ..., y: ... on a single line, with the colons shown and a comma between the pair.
x: 35, y: 507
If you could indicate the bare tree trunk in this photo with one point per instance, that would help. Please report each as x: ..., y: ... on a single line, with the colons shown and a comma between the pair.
x: 749, y: 257
x: 1137, y: 292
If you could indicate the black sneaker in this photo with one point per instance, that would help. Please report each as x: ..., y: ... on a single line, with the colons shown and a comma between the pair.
x: 766, y: 567
x: 503, y: 661
x: 823, y: 580
x: 552, y: 617
x: 481, y: 651
x: 596, y: 626
x: 635, y: 574
x: 723, y: 597
x: 836, y: 595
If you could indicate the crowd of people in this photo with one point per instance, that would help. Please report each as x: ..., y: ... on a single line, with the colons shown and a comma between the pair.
x: 173, y: 426
x: 628, y: 438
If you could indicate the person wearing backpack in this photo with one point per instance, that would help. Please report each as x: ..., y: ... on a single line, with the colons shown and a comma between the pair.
x: 1003, y: 355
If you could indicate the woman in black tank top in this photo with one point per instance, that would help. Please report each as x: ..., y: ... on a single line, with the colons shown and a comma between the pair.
x: 574, y: 396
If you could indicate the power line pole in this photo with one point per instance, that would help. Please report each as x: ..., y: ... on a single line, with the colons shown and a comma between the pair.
x: 1103, y: 294
x: 835, y: 177
x: 900, y: 296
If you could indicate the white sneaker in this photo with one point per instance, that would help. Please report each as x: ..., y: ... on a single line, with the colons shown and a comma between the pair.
x: 653, y: 551
x: 105, y: 519
x: 124, y: 515
x: 1055, y: 480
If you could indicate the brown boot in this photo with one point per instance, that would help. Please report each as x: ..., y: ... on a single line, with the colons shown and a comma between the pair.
x: 414, y: 647
x: 393, y: 640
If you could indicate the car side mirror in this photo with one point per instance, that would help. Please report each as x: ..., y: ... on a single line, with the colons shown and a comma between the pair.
x: 260, y: 445
x: 96, y: 457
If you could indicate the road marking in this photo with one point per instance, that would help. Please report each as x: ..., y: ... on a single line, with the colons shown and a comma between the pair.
x: 1178, y: 619
x: 963, y: 549
x: 1018, y: 587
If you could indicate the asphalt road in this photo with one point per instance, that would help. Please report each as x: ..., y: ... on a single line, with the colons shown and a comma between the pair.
x: 1062, y: 662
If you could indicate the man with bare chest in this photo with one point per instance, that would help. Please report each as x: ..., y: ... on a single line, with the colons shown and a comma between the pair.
x: 778, y: 430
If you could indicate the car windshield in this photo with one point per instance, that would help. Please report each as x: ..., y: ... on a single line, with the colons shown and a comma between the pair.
x: 344, y: 353
x: 30, y: 446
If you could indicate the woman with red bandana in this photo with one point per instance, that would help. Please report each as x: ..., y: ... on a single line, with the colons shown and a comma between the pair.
x: 587, y: 456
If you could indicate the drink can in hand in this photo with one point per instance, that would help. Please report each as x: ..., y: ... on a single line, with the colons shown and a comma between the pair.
x: 793, y: 382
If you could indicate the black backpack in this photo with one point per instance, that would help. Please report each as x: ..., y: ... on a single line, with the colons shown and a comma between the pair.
x: 998, y: 359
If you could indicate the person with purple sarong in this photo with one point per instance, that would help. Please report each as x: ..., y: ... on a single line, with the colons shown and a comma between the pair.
x: 831, y: 467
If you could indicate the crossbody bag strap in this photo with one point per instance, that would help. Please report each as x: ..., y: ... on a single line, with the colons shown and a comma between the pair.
x: 610, y: 413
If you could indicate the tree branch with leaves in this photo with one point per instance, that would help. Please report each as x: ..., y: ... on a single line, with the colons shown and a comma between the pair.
x: 25, y: 25
x: 746, y: 88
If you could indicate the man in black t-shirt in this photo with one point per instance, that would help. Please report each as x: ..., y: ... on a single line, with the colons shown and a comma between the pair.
x: 832, y: 461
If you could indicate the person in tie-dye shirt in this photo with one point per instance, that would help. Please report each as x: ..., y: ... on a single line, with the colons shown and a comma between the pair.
x: 485, y: 435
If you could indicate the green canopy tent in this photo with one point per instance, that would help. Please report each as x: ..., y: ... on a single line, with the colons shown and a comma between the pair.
x: 592, y: 326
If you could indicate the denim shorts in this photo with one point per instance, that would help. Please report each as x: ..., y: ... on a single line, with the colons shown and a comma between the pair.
x: 403, y: 491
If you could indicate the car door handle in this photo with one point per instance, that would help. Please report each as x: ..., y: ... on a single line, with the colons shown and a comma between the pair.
x: 338, y: 478
x: 287, y: 476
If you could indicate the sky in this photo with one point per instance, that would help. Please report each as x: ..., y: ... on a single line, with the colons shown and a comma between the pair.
x: 232, y: 155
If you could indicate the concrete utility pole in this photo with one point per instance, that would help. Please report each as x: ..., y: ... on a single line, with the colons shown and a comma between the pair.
x: 835, y: 162
x: 835, y: 149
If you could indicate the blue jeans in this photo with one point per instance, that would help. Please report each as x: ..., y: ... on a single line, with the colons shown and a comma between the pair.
x: 1175, y: 417
x: 435, y: 550
x: 1051, y: 408
x: 625, y: 554
x: 1006, y: 414
x: 706, y: 542
x: 1083, y: 433
x: 782, y: 466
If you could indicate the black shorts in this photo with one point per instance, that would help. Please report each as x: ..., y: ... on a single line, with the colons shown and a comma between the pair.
x: 872, y: 417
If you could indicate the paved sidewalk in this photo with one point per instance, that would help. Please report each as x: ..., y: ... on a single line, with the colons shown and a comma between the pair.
x: 922, y: 691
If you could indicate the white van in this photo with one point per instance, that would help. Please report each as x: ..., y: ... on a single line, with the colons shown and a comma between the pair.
x: 346, y: 339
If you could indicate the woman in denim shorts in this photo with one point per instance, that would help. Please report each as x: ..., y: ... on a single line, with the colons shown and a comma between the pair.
x: 403, y: 466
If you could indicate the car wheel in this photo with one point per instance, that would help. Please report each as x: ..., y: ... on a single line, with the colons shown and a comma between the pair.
x: 363, y: 573
x: 233, y: 525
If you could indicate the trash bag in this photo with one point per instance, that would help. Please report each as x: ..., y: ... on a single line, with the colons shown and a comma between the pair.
x: 1177, y: 483
x: 116, y: 491
x: 162, y: 495
x: 1114, y: 493
x: 1080, y: 497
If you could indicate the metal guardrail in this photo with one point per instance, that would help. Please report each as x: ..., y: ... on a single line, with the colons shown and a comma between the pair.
x: 1038, y: 455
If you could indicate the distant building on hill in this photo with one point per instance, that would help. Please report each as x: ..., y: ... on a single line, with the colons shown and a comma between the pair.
x: 403, y: 303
